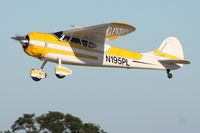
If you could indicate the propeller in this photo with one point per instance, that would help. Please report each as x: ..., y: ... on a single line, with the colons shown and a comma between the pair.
x: 23, y: 40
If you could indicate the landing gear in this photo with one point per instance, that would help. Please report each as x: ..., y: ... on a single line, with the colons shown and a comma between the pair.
x: 169, y: 75
x: 38, y: 74
x: 61, y: 71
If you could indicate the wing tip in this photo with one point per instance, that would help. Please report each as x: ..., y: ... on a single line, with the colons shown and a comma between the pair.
x: 124, y: 25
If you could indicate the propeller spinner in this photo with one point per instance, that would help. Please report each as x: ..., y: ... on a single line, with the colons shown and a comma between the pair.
x: 23, y: 40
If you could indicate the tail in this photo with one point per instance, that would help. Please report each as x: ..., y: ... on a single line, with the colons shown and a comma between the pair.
x: 172, y: 46
x: 170, y: 55
x: 171, y: 51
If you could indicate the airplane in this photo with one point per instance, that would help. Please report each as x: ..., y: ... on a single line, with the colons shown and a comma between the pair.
x: 87, y: 46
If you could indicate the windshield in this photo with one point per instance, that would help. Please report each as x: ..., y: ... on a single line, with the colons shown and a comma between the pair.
x: 59, y: 34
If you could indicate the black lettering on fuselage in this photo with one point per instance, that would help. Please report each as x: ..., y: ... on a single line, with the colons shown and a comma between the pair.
x: 123, y: 61
x: 117, y: 60
x: 107, y: 58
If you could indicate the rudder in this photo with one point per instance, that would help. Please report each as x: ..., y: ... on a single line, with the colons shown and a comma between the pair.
x: 172, y: 46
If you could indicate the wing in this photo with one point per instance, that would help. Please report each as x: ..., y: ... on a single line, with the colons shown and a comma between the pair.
x: 101, y: 33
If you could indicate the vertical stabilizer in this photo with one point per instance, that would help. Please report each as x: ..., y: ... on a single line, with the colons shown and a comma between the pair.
x: 171, y: 46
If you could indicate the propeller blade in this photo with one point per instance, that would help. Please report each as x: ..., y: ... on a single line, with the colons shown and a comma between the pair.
x: 18, y: 38
x: 22, y: 40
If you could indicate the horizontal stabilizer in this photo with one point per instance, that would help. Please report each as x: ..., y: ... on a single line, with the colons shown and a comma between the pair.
x: 174, y: 61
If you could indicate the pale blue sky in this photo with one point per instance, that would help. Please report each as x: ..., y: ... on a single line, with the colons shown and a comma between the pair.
x: 120, y: 100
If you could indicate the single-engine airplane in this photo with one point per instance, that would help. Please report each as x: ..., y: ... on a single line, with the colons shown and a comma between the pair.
x: 88, y: 46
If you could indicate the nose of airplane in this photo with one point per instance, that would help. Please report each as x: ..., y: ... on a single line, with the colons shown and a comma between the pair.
x: 23, y: 40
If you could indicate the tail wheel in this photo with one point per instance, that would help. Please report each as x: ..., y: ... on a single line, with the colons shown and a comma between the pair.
x: 169, y: 75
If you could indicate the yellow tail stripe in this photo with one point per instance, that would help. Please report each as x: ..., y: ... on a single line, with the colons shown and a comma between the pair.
x: 161, y: 54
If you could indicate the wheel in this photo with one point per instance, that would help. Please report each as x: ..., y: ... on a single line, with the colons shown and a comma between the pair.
x: 37, y: 74
x: 36, y: 79
x: 60, y: 76
x: 169, y: 75
x: 61, y: 71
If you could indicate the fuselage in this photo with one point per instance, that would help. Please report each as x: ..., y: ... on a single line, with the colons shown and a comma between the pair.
x: 46, y: 46
x: 87, y: 46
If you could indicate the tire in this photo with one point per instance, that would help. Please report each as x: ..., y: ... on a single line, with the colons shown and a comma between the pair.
x: 36, y: 79
x: 60, y: 76
x: 169, y: 75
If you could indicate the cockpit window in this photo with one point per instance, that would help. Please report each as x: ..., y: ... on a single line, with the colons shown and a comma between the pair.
x: 84, y: 43
x: 66, y: 38
x: 88, y: 44
x: 92, y: 45
x: 76, y: 41
x: 59, y: 34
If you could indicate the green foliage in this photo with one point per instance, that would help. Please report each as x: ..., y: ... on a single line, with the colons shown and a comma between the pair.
x: 92, y: 128
x: 26, y: 123
x: 8, y: 131
x: 73, y: 123
x: 53, y: 122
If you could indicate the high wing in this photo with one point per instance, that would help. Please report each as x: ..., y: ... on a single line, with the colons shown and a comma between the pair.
x: 101, y: 33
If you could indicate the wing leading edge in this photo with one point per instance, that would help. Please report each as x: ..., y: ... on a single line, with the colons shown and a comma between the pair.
x: 101, y: 33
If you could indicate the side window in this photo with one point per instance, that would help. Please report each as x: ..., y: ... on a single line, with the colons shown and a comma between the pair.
x: 66, y: 38
x: 76, y: 41
x: 84, y: 43
x: 92, y: 45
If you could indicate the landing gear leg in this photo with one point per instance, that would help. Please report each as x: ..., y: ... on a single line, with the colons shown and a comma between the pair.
x: 38, y: 74
x: 43, y: 64
x: 59, y: 75
x: 169, y: 75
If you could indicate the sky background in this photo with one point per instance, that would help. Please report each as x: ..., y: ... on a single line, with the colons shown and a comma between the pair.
x: 119, y: 100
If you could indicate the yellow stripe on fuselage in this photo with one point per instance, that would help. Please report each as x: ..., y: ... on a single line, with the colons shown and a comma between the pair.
x: 50, y: 38
x: 37, y: 50
x: 123, y: 53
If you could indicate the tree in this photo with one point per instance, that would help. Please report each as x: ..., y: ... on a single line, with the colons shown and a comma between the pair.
x: 5, y: 131
x: 25, y: 123
x: 53, y: 122
x: 73, y: 123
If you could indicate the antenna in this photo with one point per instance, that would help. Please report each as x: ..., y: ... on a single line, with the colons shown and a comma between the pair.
x: 74, y: 26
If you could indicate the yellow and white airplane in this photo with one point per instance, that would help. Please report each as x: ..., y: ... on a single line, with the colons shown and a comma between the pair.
x: 88, y: 46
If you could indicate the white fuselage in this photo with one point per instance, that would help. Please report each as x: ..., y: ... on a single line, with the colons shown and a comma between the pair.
x: 93, y: 58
